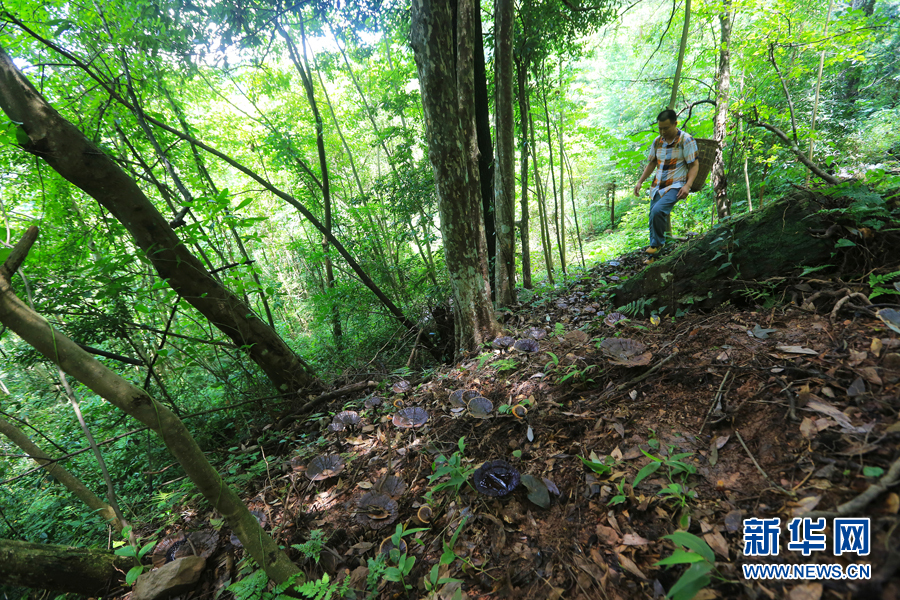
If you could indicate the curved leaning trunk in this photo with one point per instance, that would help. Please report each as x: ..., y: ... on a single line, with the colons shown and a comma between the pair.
x: 134, y: 401
x: 75, y: 158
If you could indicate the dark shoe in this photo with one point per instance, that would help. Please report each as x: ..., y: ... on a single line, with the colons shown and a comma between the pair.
x: 653, y: 249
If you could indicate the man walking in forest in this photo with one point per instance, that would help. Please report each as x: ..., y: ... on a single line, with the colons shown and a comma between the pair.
x: 674, y: 157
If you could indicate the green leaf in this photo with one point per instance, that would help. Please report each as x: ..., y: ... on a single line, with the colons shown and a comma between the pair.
x: 648, y: 470
x: 680, y: 557
x: 692, y: 581
x: 133, y: 574
x: 692, y: 542
x: 873, y: 471
x: 844, y: 243
x: 4, y: 254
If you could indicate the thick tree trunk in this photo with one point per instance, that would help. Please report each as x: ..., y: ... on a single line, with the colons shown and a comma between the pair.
x: 134, y: 401
x: 432, y: 41
x: 61, y: 568
x: 504, y: 177
x: 524, y: 119
x: 73, y: 156
x: 723, y: 80
x: 465, y: 80
x: 485, y: 148
x: 72, y: 483
x: 756, y: 245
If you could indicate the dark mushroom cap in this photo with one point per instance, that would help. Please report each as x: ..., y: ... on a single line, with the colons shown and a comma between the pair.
x: 503, y: 342
x: 460, y: 398
x: 350, y: 418
x: 527, y: 345
x: 536, y: 333
x: 387, y: 544
x: 336, y: 426
x: 391, y: 485
x: 324, y: 466
x: 414, y: 416
x: 519, y: 411
x: 175, y: 546
x: 480, y: 407
x: 376, y: 510
x: 613, y: 318
x: 496, y: 478
x: 372, y: 402
x: 424, y: 514
x: 401, y: 387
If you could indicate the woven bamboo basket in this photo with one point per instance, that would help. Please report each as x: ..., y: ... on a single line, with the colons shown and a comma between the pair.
x: 707, y: 151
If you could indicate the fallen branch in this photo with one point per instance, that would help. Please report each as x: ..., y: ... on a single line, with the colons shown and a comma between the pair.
x: 817, y: 171
x: 892, y: 477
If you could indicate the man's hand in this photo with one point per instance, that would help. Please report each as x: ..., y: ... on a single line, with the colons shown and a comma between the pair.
x: 637, y: 188
x: 683, y: 192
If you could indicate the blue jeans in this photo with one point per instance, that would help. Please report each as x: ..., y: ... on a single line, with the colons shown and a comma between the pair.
x: 660, y: 207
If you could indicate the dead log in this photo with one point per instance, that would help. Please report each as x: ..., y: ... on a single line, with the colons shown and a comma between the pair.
x: 61, y: 568
x: 729, y: 258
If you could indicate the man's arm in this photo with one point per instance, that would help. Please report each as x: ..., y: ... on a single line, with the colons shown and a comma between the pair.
x: 692, y: 175
x: 651, y: 166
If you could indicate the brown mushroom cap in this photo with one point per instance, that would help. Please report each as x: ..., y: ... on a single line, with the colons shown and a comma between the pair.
x: 613, y: 318
x: 372, y: 402
x: 424, y: 514
x: 626, y: 351
x: 387, y: 544
x: 324, y: 466
x: 414, y: 416
x: 519, y: 411
x: 401, y: 387
x: 496, y: 478
x: 376, y: 510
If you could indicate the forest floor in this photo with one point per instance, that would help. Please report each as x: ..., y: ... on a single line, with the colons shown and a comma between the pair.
x: 783, y: 412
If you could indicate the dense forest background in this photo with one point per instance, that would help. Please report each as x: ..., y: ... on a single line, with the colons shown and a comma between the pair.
x: 283, y: 200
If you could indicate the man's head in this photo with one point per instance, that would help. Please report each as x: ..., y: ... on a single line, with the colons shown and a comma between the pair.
x: 668, y: 123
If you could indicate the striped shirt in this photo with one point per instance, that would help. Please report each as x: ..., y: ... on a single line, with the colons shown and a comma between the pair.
x: 673, y: 162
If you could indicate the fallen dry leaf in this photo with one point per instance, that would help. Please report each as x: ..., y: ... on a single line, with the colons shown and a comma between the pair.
x: 796, y: 350
x: 806, y: 591
x: 608, y: 535
x: 818, y: 405
x: 629, y: 565
x: 870, y: 374
x: 804, y: 505
x: 632, y: 539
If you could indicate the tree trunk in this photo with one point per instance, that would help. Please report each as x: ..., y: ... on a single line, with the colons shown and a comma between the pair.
x: 73, y: 156
x: 575, y: 212
x: 524, y: 111
x: 681, y: 51
x: 756, y: 245
x: 504, y: 177
x: 306, y: 78
x: 134, y: 401
x: 546, y: 246
x: 466, y: 11
x: 485, y: 148
x: 62, y: 568
x: 72, y: 483
x: 723, y: 79
x: 559, y: 241
x: 432, y: 41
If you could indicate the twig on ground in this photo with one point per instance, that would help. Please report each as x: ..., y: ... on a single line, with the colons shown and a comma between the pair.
x: 642, y: 377
x: 716, y: 399
x: 759, y: 468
